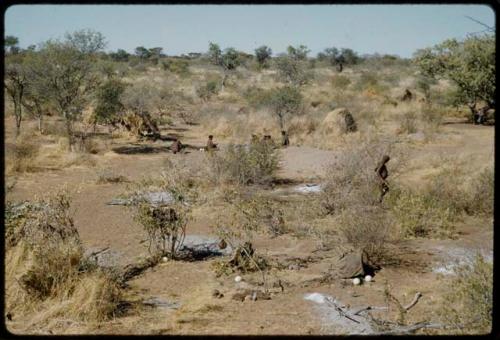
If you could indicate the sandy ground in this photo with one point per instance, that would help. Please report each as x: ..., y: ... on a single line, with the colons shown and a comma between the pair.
x: 189, y: 284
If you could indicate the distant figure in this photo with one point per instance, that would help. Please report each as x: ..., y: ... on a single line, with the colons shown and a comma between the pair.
x: 210, y: 144
x: 407, y: 96
x: 340, y: 67
x: 254, y: 139
x: 284, y: 139
x: 382, y: 175
x: 176, y: 146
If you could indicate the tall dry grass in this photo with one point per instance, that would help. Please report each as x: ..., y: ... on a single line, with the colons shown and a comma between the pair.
x: 48, y: 279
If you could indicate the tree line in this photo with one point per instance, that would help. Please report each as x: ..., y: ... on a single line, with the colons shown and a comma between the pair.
x: 63, y: 76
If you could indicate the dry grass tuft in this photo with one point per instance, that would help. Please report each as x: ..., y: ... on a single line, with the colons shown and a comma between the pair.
x: 47, y: 277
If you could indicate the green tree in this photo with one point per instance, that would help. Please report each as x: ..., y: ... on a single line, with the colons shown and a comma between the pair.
x: 15, y: 82
x: 36, y: 99
x: 214, y: 53
x: 286, y: 100
x: 299, y: 53
x: 228, y: 60
x: 331, y: 54
x: 11, y: 44
x: 142, y: 52
x: 108, y: 104
x: 349, y: 56
x: 469, y: 64
x: 68, y: 76
x: 119, y: 55
x: 262, y: 54
x: 292, y: 71
x: 87, y: 41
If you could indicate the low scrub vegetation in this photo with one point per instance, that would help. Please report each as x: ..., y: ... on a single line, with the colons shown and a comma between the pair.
x: 46, y: 267
x: 469, y: 303
x: 256, y: 163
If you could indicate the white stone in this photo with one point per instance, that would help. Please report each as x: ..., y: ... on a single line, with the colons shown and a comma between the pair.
x: 368, y: 278
x: 356, y: 281
x: 164, y: 259
x: 315, y: 297
x: 237, y: 279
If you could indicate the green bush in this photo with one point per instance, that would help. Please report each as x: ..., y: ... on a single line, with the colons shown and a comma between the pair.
x: 470, y: 299
x: 285, y: 101
x: 177, y: 66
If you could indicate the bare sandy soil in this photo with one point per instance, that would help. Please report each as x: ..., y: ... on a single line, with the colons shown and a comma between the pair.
x: 187, y: 286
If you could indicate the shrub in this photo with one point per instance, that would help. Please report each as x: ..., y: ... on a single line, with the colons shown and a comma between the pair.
x: 368, y: 81
x: 165, y: 227
x: 368, y: 228
x: 45, y: 259
x: 340, y: 82
x: 470, y: 298
x: 54, y: 265
x: 206, y: 90
x: 177, y: 66
x: 24, y: 153
x: 54, y: 129
x: 408, y: 122
x: 420, y: 214
x: 481, y: 199
x: 257, y: 97
x: 351, y: 179
x: 108, y: 176
x: 255, y: 164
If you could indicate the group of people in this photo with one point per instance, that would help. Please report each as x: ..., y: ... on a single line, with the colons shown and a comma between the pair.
x: 381, y: 169
x: 177, y: 146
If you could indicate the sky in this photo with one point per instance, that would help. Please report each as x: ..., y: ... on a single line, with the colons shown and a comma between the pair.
x: 178, y: 29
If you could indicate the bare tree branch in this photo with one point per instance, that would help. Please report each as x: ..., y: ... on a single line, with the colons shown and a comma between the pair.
x: 489, y: 28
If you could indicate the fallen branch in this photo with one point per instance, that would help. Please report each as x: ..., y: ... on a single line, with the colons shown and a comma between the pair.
x: 363, y: 309
x: 414, y: 302
x: 338, y: 309
x: 97, y: 252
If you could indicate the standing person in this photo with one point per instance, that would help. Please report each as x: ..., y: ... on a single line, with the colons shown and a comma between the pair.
x: 382, y: 175
x: 284, y: 139
x: 210, y: 144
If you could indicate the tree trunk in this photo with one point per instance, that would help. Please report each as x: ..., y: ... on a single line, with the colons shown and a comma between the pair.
x: 17, y: 110
x: 40, y: 121
x: 223, y: 84
x: 473, y: 111
x: 282, y: 123
x: 18, y: 113
x: 69, y: 131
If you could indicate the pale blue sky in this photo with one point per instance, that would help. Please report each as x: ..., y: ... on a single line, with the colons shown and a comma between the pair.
x: 392, y: 29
